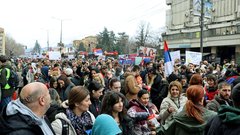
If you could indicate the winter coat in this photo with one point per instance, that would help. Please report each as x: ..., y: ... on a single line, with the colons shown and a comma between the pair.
x: 139, y: 113
x: 95, y: 107
x: 57, y: 124
x: 185, y: 125
x: 131, y: 86
x: 215, y: 104
x: 159, y: 91
x: 227, y: 122
x: 177, y: 103
x: 3, y: 82
x: 19, y: 124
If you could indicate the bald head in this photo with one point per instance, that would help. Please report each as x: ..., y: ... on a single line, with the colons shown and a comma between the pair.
x: 32, y: 91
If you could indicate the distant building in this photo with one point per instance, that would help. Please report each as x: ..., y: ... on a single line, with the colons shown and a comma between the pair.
x: 221, y: 36
x: 89, y: 43
x: 2, y: 42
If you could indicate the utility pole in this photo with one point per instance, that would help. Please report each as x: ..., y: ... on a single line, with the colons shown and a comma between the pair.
x: 201, y: 26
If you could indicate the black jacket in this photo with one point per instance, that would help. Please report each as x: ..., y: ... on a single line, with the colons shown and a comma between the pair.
x: 19, y: 124
x: 159, y: 91
x: 95, y: 107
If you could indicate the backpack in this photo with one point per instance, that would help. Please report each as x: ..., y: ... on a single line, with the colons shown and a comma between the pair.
x: 12, y: 79
x: 65, y: 127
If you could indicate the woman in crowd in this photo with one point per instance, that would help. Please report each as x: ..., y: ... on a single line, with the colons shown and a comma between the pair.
x: 172, y: 104
x: 140, y: 110
x: 96, y: 91
x: 114, y: 104
x: 193, y: 118
x: 76, y: 117
x: 211, y: 90
x: 64, y: 87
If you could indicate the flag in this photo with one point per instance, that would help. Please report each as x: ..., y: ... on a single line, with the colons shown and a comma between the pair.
x: 97, y: 52
x: 167, y: 60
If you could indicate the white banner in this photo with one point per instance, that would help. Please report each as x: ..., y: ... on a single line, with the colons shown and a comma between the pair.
x: 54, y: 55
x: 193, y: 57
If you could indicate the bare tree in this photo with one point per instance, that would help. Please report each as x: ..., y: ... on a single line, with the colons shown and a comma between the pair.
x: 142, y: 34
x: 13, y: 48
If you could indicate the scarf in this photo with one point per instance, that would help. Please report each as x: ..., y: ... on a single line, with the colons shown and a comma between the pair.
x: 80, y: 123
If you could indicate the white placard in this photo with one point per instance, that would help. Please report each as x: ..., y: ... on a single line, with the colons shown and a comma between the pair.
x: 193, y: 57
x: 54, y: 55
x: 175, y: 56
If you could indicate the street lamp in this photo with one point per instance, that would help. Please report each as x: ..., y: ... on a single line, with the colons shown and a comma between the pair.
x: 60, y: 44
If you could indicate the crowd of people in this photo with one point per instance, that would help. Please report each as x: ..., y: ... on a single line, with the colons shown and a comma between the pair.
x: 103, y: 97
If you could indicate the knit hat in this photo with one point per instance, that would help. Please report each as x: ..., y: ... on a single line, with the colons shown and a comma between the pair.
x: 68, y: 71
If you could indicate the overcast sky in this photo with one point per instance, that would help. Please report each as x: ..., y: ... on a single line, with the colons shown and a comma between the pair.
x: 29, y: 20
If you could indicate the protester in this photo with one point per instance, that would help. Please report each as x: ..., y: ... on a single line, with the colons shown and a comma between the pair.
x: 131, y: 86
x: 172, y: 104
x: 227, y: 122
x: 96, y: 91
x: 114, y: 104
x: 64, y: 87
x: 115, y: 85
x: 76, y: 117
x: 6, y: 91
x: 140, y: 110
x: 193, y: 117
x: 222, y: 98
x: 25, y: 116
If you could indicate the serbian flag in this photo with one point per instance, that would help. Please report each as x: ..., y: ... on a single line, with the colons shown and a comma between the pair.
x: 167, y: 60
x: 98, y: 52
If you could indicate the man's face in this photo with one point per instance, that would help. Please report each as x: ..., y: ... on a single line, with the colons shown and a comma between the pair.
x: 225, y: 92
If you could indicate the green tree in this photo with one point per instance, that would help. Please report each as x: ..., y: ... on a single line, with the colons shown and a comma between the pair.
x: 36, y: 48
x: 122, y: 43
x: 81, y: 47
x: 103, y: 40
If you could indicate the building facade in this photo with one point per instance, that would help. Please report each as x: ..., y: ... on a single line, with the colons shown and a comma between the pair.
x: 89, y: 43
x: 2, y: 42
x: 221, y: 29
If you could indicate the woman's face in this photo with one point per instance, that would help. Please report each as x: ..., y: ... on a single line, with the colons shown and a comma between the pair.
x: 97, y: 93
x: 210, y: 82
x: 55, y: 84
x: 144, y: 99
x: 84, y: 105
x: 174, y: 91
x: 118, y: 107
x: 61, y: 83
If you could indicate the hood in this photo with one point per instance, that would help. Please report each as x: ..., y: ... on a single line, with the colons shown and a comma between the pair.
x: 229, y: 114
x: 105, y: 125
x: 16, y: 106
x: 10, y: 118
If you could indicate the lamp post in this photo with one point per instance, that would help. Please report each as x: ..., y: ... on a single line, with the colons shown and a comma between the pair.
x: 201, y: 26
x: 60, y: 44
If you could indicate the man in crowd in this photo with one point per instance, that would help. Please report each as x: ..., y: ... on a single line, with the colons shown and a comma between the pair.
x: 227, y: 121
x: 25, y: 116
x: 6, y: 90
x: 222, y: 98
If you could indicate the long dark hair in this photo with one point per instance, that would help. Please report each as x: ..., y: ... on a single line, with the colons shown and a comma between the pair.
x: 109, y: 100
